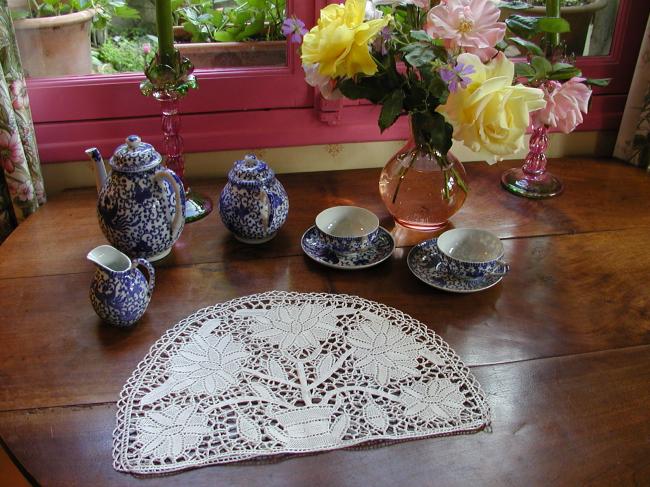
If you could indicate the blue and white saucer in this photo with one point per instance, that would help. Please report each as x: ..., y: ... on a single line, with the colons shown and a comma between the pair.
x: 425, y: 263
x: 317, y: 250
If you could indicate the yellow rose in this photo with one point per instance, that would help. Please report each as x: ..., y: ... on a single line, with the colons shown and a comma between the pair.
x: 339, y: 42
x: 491, y: 113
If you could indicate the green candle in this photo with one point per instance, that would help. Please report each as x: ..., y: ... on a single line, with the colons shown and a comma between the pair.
x: 553, y: 10
x: 165, y: 31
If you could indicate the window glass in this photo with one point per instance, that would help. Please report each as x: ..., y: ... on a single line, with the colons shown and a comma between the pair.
x: 592, y: 23
x: 80, y: 37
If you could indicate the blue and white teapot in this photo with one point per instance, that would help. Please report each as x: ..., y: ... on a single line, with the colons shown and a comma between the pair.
x: 253, y: 204
x: 141, y: 204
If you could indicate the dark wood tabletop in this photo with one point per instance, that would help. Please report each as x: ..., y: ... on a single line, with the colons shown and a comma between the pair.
x: 561, y: 346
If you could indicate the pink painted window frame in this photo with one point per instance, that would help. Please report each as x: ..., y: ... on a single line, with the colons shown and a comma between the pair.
x: 269, y: 107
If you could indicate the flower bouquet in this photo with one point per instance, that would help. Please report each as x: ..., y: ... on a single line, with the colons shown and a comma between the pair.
x: 442, y: 64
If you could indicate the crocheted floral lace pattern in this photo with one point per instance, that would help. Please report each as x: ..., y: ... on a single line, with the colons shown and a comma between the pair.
x: 281, y: 373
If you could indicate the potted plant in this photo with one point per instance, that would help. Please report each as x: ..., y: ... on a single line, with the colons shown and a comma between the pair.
x: 213, y: 33
x: 579, y: 13
x: 54, y: 35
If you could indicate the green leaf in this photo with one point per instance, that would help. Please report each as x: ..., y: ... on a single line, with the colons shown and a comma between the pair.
x: 223, y: 36
x: 19, y: 14
x: 420, y: 35
x: 373, y: 88
x: 553, y: 25
x: 253, y: 28
x: 415, y: 98
x: 527, y: 45
x: 418, y: 54
x: 431, y: 129
x: 524, y: 69
x: 502, y: 45
x: 194, y: 30
x: 217, y: 18
x: 127, y: 12
x: 558, y: 66
x: 513, y: 4
x: 564, y: 73
x: 541, y: 65
x: 523, y: 26
x: 391, y: 109
x: 598, y: 81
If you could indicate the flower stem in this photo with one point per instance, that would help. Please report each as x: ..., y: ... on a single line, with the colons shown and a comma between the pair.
x: 402, y: 174
x: 553, y: 10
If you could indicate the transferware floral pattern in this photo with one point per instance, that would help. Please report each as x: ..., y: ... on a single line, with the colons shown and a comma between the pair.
x: 21, y: 181
x: 278, y: 373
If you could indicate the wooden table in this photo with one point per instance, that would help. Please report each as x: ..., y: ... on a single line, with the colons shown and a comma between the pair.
x: 561, y: 346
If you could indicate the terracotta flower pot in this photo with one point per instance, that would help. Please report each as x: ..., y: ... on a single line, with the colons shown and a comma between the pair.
x: 230, y: 54
x: 579, y: 17
x: 55, y: 46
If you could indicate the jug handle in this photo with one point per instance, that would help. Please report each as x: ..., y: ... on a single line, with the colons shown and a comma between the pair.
x: 179, y: 216
x: 151, y: 273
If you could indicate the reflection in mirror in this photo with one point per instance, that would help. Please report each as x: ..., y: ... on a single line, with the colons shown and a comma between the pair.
x: 592, y: 23
x: 66, y: 37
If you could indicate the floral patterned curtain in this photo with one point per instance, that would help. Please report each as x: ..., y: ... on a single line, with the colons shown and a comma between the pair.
x: 633, y: 143
x: 21, y: 182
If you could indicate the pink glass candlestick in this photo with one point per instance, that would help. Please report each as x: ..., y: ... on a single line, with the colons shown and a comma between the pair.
x: 196, y: 205
x: 532, y: 180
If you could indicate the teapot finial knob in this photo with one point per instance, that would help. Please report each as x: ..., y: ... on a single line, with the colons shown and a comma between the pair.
x: 133, y: 141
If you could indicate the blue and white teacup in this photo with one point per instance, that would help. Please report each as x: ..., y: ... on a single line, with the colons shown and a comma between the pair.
x: 471, y: 253
x: 347, y: 229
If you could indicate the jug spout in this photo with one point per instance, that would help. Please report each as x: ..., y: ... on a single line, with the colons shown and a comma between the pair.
x: 109, y: 258
x: 100, y: 169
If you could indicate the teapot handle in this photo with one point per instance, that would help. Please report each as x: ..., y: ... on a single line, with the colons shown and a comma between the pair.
x: 179, y: 216
x: 151, y: 273
x: 267, y: 208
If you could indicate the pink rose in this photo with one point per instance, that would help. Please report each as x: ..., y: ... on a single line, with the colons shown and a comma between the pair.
x: 565, y: 104
x: 19, y: 94
x: 24, y: 191
x: 470, y: 25
x: 11, y: 150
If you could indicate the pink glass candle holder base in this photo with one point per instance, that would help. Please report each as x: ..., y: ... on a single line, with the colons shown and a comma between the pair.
x: 518, y: 182
x: 532, y: 180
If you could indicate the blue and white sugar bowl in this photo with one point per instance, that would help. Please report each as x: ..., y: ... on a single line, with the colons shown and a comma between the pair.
x: 141, y: 204
x: 120, y: 292
x: 253, y: 204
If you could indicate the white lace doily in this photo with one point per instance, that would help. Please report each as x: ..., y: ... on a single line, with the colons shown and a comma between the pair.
x: 281, y: 373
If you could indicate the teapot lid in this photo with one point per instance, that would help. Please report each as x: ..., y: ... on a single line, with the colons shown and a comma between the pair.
x: 250, y: 171
x: 134, y: 156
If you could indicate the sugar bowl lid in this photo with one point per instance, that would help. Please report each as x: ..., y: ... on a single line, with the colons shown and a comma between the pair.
x: 250, y: 171
x: 134, y: 156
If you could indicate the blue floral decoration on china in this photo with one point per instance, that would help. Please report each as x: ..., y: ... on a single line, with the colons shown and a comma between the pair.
x: 426, y: 264
x: 381, y: 249
x: 253, y: 205
x: 141, y: 204
x: 120, y: 298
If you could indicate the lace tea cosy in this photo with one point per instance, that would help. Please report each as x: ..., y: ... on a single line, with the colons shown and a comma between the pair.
x: 281, y: 373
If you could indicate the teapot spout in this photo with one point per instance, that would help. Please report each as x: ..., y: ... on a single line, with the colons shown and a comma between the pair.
x: 100, y: 169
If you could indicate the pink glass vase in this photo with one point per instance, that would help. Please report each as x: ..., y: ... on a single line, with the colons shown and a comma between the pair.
x: 532, y: 180
x: 197, y: 206
x: 421, y: 187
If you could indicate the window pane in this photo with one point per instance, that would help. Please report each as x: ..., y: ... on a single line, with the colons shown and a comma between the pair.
x: 592, y: 23
x: 59, y: 38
